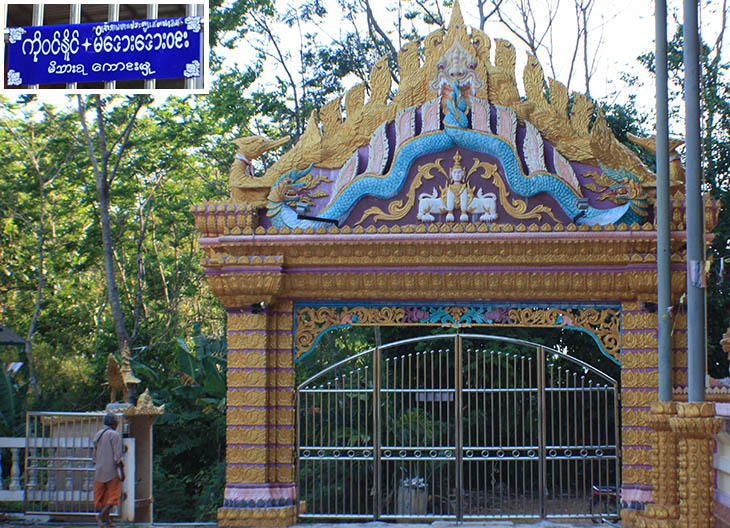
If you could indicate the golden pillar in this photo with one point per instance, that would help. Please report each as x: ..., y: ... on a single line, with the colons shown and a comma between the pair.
x: 639, y: 380
x: 694, y: 425
x: 665, y: 509
x: 260, y: 486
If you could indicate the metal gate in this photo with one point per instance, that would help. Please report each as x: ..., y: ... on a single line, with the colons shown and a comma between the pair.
x: 458, y: 426
x: 59, y: 465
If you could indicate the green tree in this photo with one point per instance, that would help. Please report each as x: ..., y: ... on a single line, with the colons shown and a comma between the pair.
x: 715, y: 141
x: 192, y: 429
x: 31, y: 208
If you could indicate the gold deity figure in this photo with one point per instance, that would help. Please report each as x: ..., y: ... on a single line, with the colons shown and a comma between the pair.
x: 457, y: 187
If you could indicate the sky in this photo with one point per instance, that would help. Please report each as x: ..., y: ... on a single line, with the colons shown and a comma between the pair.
x: 619, y: 31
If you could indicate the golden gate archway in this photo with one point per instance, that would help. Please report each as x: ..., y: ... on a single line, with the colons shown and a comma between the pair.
x: 455, y: 191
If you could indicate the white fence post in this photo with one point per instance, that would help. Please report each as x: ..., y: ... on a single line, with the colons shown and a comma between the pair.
x: 15, y: 490
x: 15, y: 470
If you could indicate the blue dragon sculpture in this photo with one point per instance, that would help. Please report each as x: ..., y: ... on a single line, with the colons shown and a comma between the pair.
x: 297, y: 189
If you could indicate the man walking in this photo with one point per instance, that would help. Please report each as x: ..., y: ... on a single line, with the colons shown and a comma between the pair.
x: 109, y: 469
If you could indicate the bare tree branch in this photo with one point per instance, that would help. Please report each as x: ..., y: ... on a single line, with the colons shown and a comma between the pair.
x: 723, y: 26
x: 144, y: 211
x: 437, y: 17
x: 123, y: 139
x: 496, y: 4
x: 373, y: 24
x: 104, y: 180
x: 263, y: 25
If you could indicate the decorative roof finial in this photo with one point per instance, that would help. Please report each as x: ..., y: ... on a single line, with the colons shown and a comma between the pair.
x: 457, y: 21
x: 457, y: 160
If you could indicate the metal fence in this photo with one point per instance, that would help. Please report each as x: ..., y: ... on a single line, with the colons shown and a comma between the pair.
x: 459, y: 427
x: 59, y: 465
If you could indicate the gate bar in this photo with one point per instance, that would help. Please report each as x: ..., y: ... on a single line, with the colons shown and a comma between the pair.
x: 541, y: 428
x: 458, y: 418
x: 377, y: 479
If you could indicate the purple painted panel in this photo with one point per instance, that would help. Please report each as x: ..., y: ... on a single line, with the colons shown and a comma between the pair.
x: 439, y: 180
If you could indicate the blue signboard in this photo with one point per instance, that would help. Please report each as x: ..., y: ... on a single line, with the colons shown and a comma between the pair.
x: 165, y: 48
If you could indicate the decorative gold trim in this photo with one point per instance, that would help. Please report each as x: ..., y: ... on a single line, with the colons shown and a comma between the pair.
x: 246, y: 379
x: 482, y: 245
x: 633, y: 455
x: 251, y: 474
x: 515, y: 207
x: 247, y: 321
x: 664, y: 476
x: 237, y: 359
x: 637, y: 437
x: 260, y: 416
x: 639, y: 339
x: 643, y: 359
x: 239, y: 341
x: 266, y: 517
x: 275, y: 397
x: 638, y: 321
x: 635, y: 475
x: 312, y: 321
x: 145, y: 407
x: 252, y: 435
x: 633, y: 417
x: 634, y: 397
x: 259, y: 455
x: 640, y: 379
x: 568, y: 132
x: 397, y: 210
x: 694, y: 426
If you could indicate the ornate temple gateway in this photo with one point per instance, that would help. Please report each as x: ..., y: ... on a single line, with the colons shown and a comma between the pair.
x: 456, y: 203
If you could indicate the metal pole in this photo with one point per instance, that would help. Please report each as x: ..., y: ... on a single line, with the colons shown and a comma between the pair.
x: 112, y: 16
x: 663, y: 252
x: 190, y: 82
x: 37, y: 21
x: 377, y: 470
x: 696, y: 294
x: 74, y: 17
x: 150, y: 84
x: 200, y: 81
x: 459, y: 418
x: 541, y: 427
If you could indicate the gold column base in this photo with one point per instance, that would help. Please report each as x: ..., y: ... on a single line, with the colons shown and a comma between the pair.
x: 630, y: 518
x: 245, y: 517
x: 665, y: 509
x: 694, y: 426
x: 658, y: 515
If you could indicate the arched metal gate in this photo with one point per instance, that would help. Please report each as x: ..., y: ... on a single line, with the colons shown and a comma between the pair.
x: 458, y: 426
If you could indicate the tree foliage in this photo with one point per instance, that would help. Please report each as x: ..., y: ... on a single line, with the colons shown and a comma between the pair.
x: 51, y: 242
x: 177, y: 153
x: 715, y: 143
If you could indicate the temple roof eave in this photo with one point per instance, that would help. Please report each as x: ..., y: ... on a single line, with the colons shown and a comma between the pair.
x: 569, y: 121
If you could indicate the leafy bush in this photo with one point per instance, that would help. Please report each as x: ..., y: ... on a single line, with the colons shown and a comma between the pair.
x: 189, y: 446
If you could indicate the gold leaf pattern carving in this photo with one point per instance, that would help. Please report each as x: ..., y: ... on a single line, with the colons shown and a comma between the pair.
x: 515, y: 207
x: 397, y: 209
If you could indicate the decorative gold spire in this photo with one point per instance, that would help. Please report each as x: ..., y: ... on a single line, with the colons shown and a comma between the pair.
x: 145, y: 407
x: 457, y: 20
x: 457, y: 160
x: 120, y: 377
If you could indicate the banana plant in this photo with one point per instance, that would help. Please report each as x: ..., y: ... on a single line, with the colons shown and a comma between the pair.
x: 12, y: 405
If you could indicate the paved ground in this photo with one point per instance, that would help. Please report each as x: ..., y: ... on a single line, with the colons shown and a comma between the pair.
x: 42, y: 522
